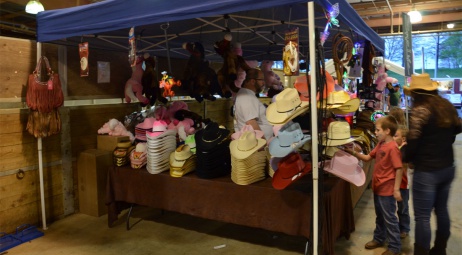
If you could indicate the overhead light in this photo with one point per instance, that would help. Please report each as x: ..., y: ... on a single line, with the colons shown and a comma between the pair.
x: 34, y: 7
x: 450, y: 25
x: 414, y: 15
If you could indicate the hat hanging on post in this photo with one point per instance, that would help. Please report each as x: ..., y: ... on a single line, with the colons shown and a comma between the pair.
x: 345, y: 166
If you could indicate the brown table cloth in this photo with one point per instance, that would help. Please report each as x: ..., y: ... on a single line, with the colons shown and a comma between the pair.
x: 257, y: 205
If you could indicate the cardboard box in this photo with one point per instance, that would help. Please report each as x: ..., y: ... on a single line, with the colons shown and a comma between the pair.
x: 92, y: 170
x: 108, y: 142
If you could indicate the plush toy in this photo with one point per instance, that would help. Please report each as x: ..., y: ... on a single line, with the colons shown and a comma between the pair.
x: 241, y: 72
x: 167, y: 84
x: 272, y: 81
x: 115, y: 128
x: 161, y: 113
x: 231, y: 63
x: 199, y: 79
x: 151, y: 87
x: 382, y: 80
x: 133, y: 87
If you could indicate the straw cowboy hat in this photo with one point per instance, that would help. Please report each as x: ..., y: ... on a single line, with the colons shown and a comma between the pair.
x: 421, y: 81
x: 247, y: 144
x: 286, y: 107
x: 345, y: 166
x: 351, y: 105
x: 338, y: 133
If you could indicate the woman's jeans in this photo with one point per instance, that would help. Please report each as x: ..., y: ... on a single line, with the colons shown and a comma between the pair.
x: 431, y: 190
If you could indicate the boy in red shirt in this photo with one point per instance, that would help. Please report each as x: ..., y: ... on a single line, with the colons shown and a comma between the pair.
x: 386, y: 181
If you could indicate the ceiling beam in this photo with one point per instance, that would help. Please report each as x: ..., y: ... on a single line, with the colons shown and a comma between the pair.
x: 406, y: 8
x: 446, y: 18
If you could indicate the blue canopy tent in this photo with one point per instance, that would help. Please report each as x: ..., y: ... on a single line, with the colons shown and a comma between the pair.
x: 258, y: 24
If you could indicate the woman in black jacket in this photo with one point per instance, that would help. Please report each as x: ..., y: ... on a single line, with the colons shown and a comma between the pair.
x: 433, y: 126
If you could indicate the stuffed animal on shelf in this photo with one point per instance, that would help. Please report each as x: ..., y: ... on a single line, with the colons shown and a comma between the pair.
x: 115, y: 128
x: 382, y: 80
x: 272, y: 81
x: 133, y: 87
x: 151, y: 87
x: 241, y: 72
x: 231, y: 63
x: 167, y: 84
x: 199, y: 79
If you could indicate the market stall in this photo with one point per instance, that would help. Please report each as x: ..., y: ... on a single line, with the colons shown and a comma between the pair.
x: 164, y: 27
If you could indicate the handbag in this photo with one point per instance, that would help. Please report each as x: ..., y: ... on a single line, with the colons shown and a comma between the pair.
x: 43, y: 100
x: 44, y: 96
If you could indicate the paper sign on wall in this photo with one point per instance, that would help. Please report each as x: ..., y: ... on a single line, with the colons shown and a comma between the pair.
x: 104, y: 72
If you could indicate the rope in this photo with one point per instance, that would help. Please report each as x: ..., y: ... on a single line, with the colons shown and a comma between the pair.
x: 341, y: 45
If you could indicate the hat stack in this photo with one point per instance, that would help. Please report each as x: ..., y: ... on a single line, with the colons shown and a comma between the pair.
x: 212, y: 151
x: 289, y: 138
x: 122, y: 152
x: 182, y: 161
x: 138, y: 156
x: 161, y: 142
x: 248, y: 162
x: 142, y: 128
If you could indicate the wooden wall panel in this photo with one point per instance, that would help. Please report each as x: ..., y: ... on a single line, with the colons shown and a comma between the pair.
x: 220, y: 111
x: 20, y: 198
x: 86, y: 120
x: 120, y: 72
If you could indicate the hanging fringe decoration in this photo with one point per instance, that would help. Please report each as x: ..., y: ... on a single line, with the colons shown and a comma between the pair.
x: 43, y: 100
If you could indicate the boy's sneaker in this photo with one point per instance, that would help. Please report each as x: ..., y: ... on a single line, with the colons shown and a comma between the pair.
x: 389, y: 252
x: 373, y: 244
x: 403, y: 235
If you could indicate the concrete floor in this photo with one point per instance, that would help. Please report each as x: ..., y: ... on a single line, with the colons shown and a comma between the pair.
x: 173, y: 233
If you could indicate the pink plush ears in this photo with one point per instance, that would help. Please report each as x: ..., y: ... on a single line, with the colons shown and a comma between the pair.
x: 160, y: 113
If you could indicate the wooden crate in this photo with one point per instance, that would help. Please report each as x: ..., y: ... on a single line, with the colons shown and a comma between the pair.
x: 92, y: 167
x: 109, y: 142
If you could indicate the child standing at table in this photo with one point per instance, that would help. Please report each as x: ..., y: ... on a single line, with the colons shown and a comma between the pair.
x: 403, y: 206
x: 386, y: 181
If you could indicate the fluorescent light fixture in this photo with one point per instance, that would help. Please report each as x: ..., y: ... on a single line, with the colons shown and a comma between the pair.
x: 34, y: 7
x: 450, y: 25
x: 415, y: 16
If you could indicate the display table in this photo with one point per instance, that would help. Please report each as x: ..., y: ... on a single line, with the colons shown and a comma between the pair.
x: 257, y: 205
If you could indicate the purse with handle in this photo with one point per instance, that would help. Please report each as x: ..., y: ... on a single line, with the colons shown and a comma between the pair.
x: 43, y: 99
x: 44, y: 96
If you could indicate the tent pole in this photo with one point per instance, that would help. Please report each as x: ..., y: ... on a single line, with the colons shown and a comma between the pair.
x: 40, y: 161
x: 314, y: 123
